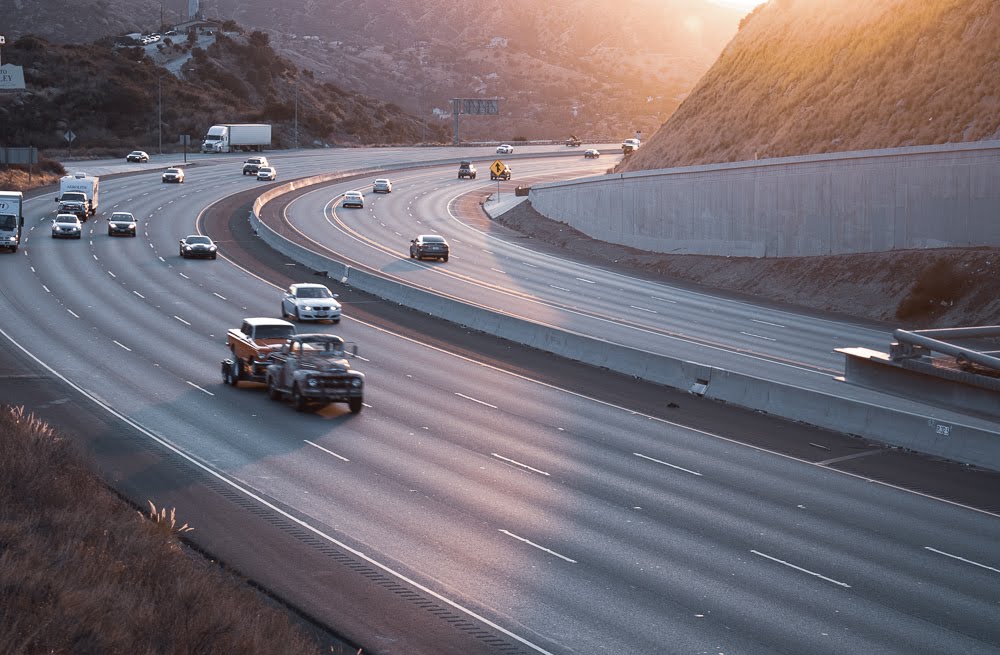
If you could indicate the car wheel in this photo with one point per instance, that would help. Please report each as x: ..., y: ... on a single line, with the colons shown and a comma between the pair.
x: 335, y: 320
x: 232, y: 376
x: 412, y: 256
x: 110, y: 233
x: 298, y: 316
x: 355, y: 405
x: 445, y: 258
x: 298, y: 400
x: 272, y: 389
x: 213, y: 255
x: 183, y: 256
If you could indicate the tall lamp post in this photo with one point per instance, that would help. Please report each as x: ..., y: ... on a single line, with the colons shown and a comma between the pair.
x: 159, y: 109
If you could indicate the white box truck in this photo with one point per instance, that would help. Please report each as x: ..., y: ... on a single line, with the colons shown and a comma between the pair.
x: 11, y: 219
x: 239, y: 136
x: 69, y: 198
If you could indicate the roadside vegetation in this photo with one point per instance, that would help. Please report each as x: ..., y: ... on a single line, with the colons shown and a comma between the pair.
x: 119, y: 98
x: 83, y: 572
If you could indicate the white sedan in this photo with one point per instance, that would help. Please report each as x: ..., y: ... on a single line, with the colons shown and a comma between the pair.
x: 308, y: 301
x: 67, y: 226
x: 505, y: 149
x: 353, y: 199
x: 268, y: 173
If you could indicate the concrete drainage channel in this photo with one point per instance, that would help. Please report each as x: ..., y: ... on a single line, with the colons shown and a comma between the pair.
x: 969, y: 444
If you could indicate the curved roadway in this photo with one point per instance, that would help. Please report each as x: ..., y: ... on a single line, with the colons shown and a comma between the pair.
x: 525, y: 518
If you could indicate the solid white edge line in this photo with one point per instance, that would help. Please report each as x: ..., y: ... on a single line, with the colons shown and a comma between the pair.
x: 799, y: 568
x: 250, y: 494
x: 329, y: 452
x: 962, y: 559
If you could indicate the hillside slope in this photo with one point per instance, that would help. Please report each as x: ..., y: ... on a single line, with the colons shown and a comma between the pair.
x: 812, y: 76
x: 597, y: 69
x: 112, y: 98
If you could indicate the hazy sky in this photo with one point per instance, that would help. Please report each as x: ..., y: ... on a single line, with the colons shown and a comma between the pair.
x: 745, y: 5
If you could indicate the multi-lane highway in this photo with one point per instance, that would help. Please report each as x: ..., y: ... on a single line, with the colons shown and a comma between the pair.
x: 505, y: 514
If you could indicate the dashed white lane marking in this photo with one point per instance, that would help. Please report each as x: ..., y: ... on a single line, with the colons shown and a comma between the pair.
x: 497, y: 270
x: 673, y: 466
x: 799, y: 568
x: 328, y: 452
x: 139, y: 294
x: 644, y: 309
x: 586, y: 280
x: 218, y: 296
x: 475, y: 400
x: 112, y: 274
x: 46, y: 289
x: 559, y: 288
x: 517, y: 463
x: 94, y: 256
x: 758, y: 336
x: 541, y: 548
x: 182, y: 320
x: 778, y: 325
x: 488, y: 252
x: 962, y: 559
x: 672, y: 302
x: 184, y: 276
x: 162, y: 260
x: 72, y: 313
x: 199, y: 388
x: 527, y: 264
x: 122, y: 345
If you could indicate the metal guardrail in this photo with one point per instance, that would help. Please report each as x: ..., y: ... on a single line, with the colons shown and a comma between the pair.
x: 917, y: 343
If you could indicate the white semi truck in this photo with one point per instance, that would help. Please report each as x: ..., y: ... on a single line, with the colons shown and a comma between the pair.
x: 233, y: 137
x: 69, y: 198
x: 11, y: 219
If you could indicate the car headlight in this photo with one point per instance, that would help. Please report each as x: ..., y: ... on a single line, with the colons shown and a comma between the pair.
x: 312, y: 382
x: 212, y: 248
x: 131, y: 226
x: 356, y: 382
x: 307, y: 308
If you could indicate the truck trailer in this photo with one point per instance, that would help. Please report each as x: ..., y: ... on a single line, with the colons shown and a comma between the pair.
x: 233, y: 137
x: 70, y: 186
x: 11, y: 219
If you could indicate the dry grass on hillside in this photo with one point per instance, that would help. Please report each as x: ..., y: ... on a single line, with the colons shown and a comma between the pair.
x: 81, y: 572
x: 813, y: 76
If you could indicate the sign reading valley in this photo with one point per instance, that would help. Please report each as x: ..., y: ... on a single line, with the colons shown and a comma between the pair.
x: 11, y: 77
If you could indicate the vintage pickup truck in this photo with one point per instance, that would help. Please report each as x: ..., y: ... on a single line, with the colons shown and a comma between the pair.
x: 251, y: 345
x: 312, y: 369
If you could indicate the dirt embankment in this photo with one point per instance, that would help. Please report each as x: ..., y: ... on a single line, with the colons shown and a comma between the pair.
x: 946, y: 287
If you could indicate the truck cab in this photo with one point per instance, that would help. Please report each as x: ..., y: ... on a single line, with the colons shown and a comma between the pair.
x: 76, y: 188
x: 11, y: 219
x: 313, y: 370
x: 74, y: 202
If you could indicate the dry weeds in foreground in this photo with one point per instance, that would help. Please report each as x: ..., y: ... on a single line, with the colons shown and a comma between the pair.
x: 81, y: 572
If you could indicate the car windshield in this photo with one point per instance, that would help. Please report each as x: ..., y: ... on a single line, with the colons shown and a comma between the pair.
x: 433, y: 239
x: 327, y: 347
x: 173, y: 170
x: 67, y: 219
x: 8, y: 222
x: 273, y: 331
x: 318, y: 292
x: 122, y: 217
x: 198, y: 240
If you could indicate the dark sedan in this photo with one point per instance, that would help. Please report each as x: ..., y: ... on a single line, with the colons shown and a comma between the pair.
x: 198, y: 245
x: 429, y: 246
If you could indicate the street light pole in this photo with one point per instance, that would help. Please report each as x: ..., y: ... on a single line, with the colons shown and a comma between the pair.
x: 296, y: 113
x: 159, y: 109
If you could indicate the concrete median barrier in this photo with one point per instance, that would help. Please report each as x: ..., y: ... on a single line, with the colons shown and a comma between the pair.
x: 920, y: 432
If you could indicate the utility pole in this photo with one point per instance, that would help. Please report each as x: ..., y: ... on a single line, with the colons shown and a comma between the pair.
x: 296, y: 113
x: 159, y: 109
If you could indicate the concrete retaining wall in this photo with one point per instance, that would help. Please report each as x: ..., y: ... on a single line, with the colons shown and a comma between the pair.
x: 918, y: 432
x: 867, y: 201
